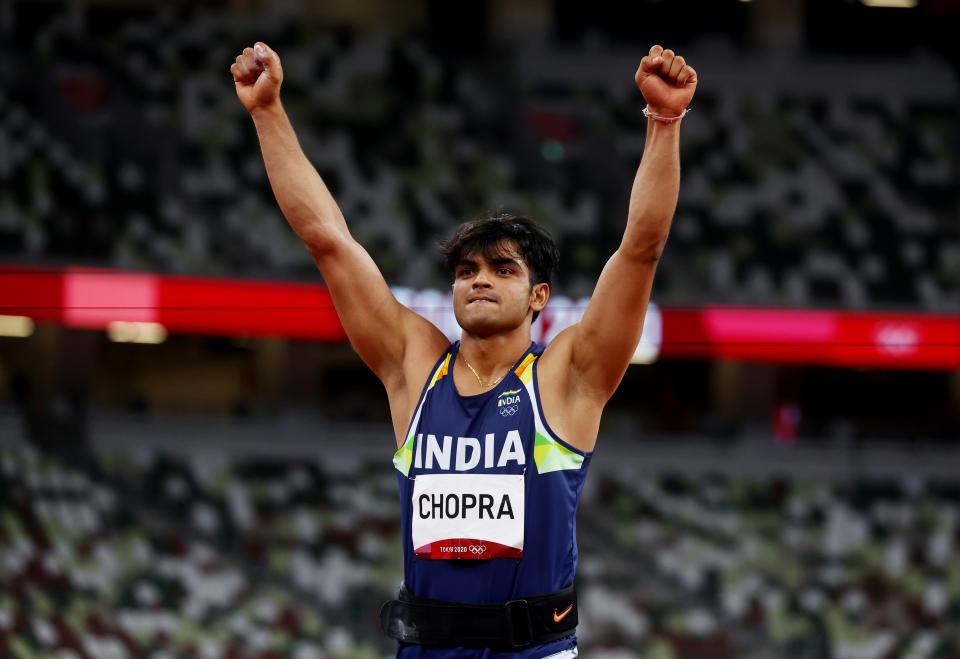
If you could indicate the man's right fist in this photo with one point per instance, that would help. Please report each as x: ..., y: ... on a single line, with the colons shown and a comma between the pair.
x: 257, y: 75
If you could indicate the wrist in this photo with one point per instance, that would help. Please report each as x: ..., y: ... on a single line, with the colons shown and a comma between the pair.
x: 663, y: 114
x: 267, y: 109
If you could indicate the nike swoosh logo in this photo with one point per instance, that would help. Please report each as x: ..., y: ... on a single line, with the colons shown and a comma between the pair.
x: 557, y: 617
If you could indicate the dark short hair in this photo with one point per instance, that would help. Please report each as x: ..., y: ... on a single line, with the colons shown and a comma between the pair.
x: 486, y: 237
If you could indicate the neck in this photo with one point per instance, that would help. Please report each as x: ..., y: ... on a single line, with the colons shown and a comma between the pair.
x: 491, y: 357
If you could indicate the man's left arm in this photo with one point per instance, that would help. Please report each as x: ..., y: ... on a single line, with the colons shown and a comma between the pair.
x: 595, y: 352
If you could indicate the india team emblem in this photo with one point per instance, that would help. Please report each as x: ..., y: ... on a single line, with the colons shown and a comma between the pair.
x: 509, y: 402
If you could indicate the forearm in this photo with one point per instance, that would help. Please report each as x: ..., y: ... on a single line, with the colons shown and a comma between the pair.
x: 653, y: 198
x: 303, y: 197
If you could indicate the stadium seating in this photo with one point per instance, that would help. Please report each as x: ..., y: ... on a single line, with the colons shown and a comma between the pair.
x: 86, y: 572
x: 865, y: 569
x: 125, y: 146
x: 150, y: 553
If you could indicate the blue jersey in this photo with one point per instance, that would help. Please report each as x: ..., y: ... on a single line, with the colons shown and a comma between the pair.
x: 489, y: 496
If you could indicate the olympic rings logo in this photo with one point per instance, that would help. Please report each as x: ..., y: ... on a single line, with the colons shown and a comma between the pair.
x: 510, y: 410
x: 478, y: 549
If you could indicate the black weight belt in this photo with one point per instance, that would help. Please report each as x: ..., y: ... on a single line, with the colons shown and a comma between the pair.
x: 519, y: 623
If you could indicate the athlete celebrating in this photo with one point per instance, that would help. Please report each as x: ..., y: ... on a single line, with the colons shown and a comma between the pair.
x: 494, y: 432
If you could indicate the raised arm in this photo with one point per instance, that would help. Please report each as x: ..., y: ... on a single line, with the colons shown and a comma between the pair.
x: 596, y: 351
x: 395, y: 342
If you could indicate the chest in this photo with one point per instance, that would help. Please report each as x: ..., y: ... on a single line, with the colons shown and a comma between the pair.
x: 491, y: 433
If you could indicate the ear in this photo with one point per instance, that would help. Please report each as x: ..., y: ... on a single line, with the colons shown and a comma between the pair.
x: 539, y: 295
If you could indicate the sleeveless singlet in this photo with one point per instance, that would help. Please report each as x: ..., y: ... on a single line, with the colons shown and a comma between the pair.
x: 489, y: 495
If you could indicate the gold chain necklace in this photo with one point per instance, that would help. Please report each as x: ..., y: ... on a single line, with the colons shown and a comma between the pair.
x: 483, y: 384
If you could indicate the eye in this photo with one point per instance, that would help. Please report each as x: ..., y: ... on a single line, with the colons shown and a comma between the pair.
x: 505, y: 271
x: 464, y: 272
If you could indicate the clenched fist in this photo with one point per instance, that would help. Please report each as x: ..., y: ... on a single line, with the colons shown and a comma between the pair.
x: 666, y: 81
x: 257, y: 75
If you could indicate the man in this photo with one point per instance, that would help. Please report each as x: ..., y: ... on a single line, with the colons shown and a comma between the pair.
x: 494, y: 433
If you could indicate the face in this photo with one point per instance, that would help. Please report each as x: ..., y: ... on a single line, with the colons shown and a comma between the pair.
x: 491, y: 296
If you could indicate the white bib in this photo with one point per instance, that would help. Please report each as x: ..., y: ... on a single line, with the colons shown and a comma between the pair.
x: 468, y: 516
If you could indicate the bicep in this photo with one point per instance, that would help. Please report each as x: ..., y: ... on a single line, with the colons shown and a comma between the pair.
x: 605, y: 339
x: 381, y: 330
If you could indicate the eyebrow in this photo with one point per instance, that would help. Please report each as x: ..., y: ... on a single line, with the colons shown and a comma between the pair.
x: 501, y: 261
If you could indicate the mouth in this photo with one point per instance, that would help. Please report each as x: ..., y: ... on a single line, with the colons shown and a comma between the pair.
x: 481, y: 300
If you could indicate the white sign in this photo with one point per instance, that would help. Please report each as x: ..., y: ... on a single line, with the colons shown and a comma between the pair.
x: 468, y: 516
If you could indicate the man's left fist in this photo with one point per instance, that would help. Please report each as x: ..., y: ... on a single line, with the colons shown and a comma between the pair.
x: 666, y: 81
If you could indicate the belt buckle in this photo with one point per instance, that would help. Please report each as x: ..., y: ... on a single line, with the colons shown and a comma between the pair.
x: 518, y: 611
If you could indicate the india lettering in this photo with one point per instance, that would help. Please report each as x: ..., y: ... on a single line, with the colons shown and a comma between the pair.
x: 444, y: 454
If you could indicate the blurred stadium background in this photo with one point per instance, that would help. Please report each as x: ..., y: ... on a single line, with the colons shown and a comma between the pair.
x: 194, y: 464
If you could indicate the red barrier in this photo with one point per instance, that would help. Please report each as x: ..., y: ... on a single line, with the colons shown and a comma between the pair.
x: 91, y: 299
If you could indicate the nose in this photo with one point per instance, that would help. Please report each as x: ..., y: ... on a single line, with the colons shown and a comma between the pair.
x: 481, y: 281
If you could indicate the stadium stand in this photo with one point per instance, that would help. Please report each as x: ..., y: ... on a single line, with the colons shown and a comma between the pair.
x: 218, y: 552
x: 88, y: 573
x: 795, y: 195
x: 122, y: 144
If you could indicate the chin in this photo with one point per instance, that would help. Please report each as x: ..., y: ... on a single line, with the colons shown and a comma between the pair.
x: 479, y: 326
x: 474, y: 320
x: 487, y: 325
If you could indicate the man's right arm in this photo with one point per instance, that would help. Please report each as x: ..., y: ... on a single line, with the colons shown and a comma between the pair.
x: 396, y: 343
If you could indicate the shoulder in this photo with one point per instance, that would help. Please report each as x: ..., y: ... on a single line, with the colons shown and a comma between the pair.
x: 426, y: 361
x: 556, y: 356
x: 567, y: 405
x: 560, y: 375
x: 420, y: 362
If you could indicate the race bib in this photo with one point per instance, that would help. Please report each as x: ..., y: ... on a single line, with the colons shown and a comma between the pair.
x: 468, y: 516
